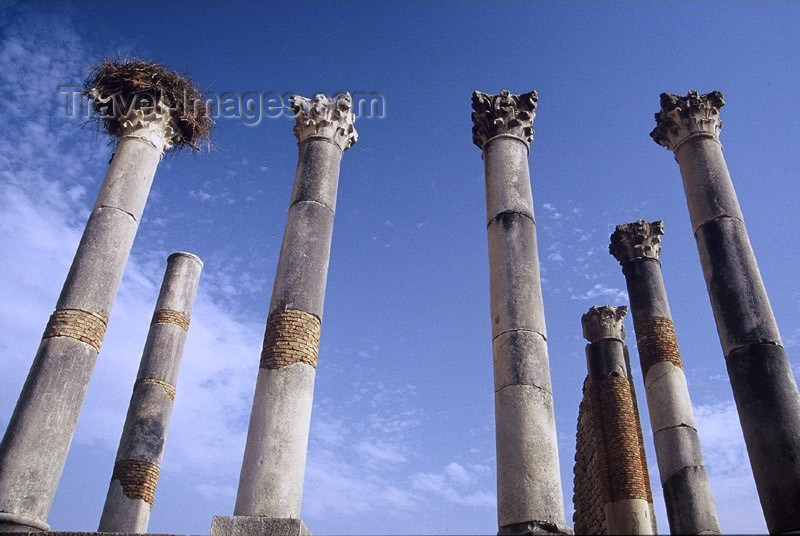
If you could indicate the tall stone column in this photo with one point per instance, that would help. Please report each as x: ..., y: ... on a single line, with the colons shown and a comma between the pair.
x: 687, y: 493
x: 133, y: 482
x: 628, y: 503
x: 529, y: 496
x: 271, y: 481
x: 761, y: 377
x: 35, y: 445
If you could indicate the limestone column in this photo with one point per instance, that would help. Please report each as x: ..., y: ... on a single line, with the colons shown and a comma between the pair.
x: 628, y: 507
x: 271, y: 480
x: 761, y: 378
x: 687, y: 493
x: 528, y: 480
x: 35, y: 445
x: 133, y: 482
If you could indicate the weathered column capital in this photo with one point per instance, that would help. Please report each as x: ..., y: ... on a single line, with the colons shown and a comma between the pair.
x: 604, y: 322
x: 686, y: 117
x: 636, y: 240
x: 503, y: 114
x: 323, y: 117
x: 156, y: 126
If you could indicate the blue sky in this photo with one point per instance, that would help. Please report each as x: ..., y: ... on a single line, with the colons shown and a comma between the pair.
x: 402, y: 434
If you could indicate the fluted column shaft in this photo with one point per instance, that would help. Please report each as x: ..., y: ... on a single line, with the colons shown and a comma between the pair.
x: 138, y: 462
x: 271, y: 480
x: 36, y: 442
x: 528, y: 479
x: 761, y: 378
x: 628, y: 505
x: 687, y: 492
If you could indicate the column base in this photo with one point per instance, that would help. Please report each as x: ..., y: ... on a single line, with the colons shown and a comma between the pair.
x: 17, y: 523
x: 534, y: 527
x: 257, y: 526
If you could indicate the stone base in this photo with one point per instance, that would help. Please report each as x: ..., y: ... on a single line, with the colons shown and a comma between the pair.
x: 534, y: 527
x: 74, y: 533
x: 257, y: 526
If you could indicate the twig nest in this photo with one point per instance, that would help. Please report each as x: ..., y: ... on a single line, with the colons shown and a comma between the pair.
x: 127, y: 92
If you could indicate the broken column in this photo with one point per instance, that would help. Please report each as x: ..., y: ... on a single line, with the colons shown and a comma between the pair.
x: 271, y: 481
x: 138, y: 462
x: 142, y: 105
x: 687, y: 493
x: 628, y: 502
x: 761, y: 378
x: 528, y: 480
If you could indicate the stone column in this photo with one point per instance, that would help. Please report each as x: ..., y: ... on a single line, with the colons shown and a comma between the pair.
x: 271, y: 481
x: 35, y: 445
x: 529, y: 496
x: 687, y: 493
x: 761, y: 377
x: 133, y: 482
x: 628, y: 507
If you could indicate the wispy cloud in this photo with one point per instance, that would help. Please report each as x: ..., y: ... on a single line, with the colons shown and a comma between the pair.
x: 600, y: 290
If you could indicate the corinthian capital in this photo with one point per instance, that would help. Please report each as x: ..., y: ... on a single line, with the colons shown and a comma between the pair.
x: 604, y: 322
x: 637, y: 240
x: 681, y: 118
x: 325, y: 117
x: 503, y: 114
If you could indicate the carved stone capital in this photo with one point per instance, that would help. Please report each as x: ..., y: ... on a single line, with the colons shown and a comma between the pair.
x: 152, y: 123
x: 604, y: 322
x: 503, y: 114
x: 325, y: 117
x: 636, y: 240
x: 682, y: 118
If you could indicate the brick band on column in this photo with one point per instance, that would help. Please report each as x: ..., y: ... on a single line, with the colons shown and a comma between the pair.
x: 168, y: 316
x: 77, y: 324
x: 168, y: 387
x: 621, y: 438
x: 292, y: 336
x: 656, y: 339
x: 590, y: 490
x: 138, y: 479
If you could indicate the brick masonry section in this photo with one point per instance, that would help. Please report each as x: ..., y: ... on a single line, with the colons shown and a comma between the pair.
x: 292, y: 336
x: 168, y: 387
x: 589, y: 488
x: 657, y: 342
x: 86, y: 327
x: 619, y: 430
x: 168, y: 316
x: 138, y: 479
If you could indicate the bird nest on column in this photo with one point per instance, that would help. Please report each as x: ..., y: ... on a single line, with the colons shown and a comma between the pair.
x: 120, y: 88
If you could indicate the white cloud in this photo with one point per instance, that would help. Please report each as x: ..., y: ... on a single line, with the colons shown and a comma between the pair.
x: 456, y: 484
x: 728, y: 468
x: 602, y: 291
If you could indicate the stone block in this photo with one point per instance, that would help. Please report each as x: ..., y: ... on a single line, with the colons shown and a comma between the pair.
x: 769, y: 410
x: 129, y: 177
x: 668, y: 397
x: 520, y: 358
x: 738, y: 297
x: 303, y: 265
x: 528, y: 479
x: 96, y: 271
x: 706, y: 181
x: 514, y: 281
x: 508, y: 182
x: 646, y: 288
x: 629, y: 516
x: 317, y: 177
x: 271, y: 481
x: 690, y: 504
x: 257, y: 526
x: 677, y: 449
